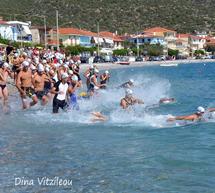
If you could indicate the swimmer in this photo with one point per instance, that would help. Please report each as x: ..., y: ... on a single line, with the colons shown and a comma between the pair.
x: 25, y: 86
x: 128, y: 84
x: 4, y: 74
x: 129, y: 100
x: 194, y: 117
x: 73, y: 99
x: 94, y: 85
x: 97, y: 116
x: 166, y: 100
x: 60, y: 90
x: 104, y: 78
x: 39, y: 81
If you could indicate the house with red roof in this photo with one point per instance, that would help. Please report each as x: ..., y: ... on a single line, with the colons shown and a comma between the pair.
x: 111, y: 40
x: 182, y: 44
x: 72, y: 37
x: 196, y: 43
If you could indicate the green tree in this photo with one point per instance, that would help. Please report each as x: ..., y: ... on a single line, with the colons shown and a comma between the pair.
x: 120, y: 52
x: 172, y: 52
x: 199, y: 52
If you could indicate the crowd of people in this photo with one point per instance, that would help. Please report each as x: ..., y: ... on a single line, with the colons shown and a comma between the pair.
x: 44, y: 75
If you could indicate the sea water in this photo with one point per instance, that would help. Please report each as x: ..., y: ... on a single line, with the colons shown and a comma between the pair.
x: 134, y: 151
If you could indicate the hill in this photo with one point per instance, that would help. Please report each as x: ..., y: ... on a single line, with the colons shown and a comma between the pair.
x: 120, y: 15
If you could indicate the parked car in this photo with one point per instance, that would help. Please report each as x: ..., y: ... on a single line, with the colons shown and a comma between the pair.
x: 139, y: 59
x: 213, y: 57
x: 181, y: 57
x: 155, y: 58
x: 98, y: 59
x: 84, y: 59
x: 115, y: 59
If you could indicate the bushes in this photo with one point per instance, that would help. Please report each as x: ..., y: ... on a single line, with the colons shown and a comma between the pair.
x: 120, y: 52
x: 173, y: 52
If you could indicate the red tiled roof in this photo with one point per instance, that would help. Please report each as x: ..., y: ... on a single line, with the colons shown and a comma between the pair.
x: 182, y: 35
x: 52, y: 42
x: 75, y: 31
x: 195, y: 37
x: 3, y: 22
x: 158, y: 29
x: 113, y: 36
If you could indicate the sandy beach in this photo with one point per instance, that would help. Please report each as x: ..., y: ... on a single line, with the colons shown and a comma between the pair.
x: 108, y: 66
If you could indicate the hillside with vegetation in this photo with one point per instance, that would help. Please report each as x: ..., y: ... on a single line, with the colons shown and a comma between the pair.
x: 121, y: 15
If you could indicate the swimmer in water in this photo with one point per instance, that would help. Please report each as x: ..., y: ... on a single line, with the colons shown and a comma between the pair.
x: 104, y: 78
x: 129, y: 100
x: 166, y: 100
x: 128, y: 84
x: 24, y: 85
x: 98, y: 117
x: 194, y: 117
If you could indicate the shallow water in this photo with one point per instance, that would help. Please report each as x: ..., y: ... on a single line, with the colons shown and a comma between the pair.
x: 136, y: 151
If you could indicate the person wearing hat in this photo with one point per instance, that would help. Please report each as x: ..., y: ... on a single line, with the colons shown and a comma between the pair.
x: 25, y: 86
x: 104, y: 78
x: 60, y: 90
x: 87, y: 74
x: 4, y: 74
x: 39, y: 83
x: 94, y: 85
x: 129, y: 100
x: 194, y: 117
x: 127, y: 84
x: 73, y: 86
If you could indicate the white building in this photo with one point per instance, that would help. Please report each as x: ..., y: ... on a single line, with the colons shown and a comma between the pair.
x: 6, y: 30
x: 21, y: 31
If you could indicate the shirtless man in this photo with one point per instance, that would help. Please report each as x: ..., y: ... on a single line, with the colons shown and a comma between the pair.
x: 4, y: 73
x: 129, y: 100
x: 25, y: 86
x: 39, y: 82
x: 194, y: 117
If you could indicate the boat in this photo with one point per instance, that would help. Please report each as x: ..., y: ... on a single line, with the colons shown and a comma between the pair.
x: 168, y: 65
x: 124, y: 62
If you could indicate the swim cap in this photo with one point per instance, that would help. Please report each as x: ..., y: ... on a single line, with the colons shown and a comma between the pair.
x: 200, y: 110
x: 70, y: 72
x: 96, y: 71
x: 40, y: 68
x: 106, y: 72
x: 64, y: 75
x: 44, y: 61
x: 65, y: 66
x: 131, y: 81
x: 16, y: 55
x: 33, y: 67
x: 25, y: 64
x: 29, y: 60
x: 91, y: 66
x: 75, y: 78
x: 128, y: 92
x: 6, y: 65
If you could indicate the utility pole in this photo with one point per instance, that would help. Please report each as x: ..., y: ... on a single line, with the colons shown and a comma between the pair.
x: 138, y: 50
x: 45, y: 38
x: 58, y: 48
x: 98, y: 38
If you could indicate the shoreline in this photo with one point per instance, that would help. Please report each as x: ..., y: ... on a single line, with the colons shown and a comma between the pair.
x: 108, y: 66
